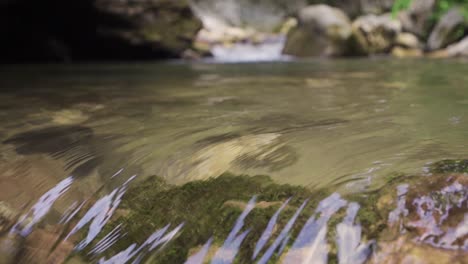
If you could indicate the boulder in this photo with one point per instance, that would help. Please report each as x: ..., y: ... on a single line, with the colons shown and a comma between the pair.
x: 163, y: 27
x: 355, y: 8
x: 459, y: 49
x: 449, y: 28
x: 401, y: 52
x: 407, y: 40
x: 321, y: 31
x: 417, y: 18
x: 262, y: 16
x: 374, y: 34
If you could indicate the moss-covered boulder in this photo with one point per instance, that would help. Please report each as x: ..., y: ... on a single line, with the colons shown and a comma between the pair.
x: 407, y: 219
x: 208, y: 209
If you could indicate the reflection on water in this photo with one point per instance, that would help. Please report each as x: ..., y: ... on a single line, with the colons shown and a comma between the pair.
x: 341, y: 125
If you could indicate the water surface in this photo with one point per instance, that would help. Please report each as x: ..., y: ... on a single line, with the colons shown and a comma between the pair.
x: 308, y: 123
x: 344, y: 124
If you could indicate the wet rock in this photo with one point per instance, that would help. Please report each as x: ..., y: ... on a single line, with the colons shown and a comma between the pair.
x: 407, y: 40
x: 375, y: 34
x: 404, y: 250
x: 450, y: 166
x: 263, y: 16
x: 417, y: 18
x: 429, y: 221
x: 459, y: 49
x: 10, y: 246
x: 214, y: 204
x: 322, y: 31
x: 60, y: 141
x: 220, y: 154
x: 448, y: 29
x: 401, y: 52
x: 43, y: 246
x: 7, y: 217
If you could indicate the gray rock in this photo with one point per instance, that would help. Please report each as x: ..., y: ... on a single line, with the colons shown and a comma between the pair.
x: 165, y: 25
x: 458, y: 49
x: 321, y: 31
x: 355, y: 8
x: 447, y: 30
x: 375, y: 34
x: 416, y: 19
x: 259, y: 15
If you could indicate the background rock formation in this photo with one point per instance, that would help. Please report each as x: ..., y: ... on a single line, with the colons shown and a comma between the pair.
x: 54, y: 30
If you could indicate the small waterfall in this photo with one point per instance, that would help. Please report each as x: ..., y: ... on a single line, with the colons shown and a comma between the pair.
x: 231, y: 28
x: 270, y: 50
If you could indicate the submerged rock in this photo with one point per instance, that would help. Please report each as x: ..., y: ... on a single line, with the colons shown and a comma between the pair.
x: 322, y: 31
x: 215, y: 156
x: 401, y: 52
x: 375, y: 34
x: 450, y: 166
x: 448, y: 29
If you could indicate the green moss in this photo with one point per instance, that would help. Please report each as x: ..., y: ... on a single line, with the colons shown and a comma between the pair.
x: 208, y: 208
x: 450, y: 166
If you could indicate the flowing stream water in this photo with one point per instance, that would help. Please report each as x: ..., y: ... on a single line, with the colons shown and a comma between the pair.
x: 341, y: 124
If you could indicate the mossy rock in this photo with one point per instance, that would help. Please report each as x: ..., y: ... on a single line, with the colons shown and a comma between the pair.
x: 450, y: 166
x: 208, y: 209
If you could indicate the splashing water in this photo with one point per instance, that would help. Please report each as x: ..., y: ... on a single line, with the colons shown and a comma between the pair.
x: 42, y: 207
x: 311, y: 243
x: 199, y: 257
x: 269, y: 230
x: 99, y: 214
x: 348, y: 239
x: 153, y: 241
x: 283, y: 235
x: 228, y: 251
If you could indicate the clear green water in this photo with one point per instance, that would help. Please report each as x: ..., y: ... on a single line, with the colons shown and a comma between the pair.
x: 345, y: 125
x: 307, y: 123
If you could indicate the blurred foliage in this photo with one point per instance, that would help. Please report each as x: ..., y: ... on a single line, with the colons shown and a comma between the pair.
x: 442, y: 6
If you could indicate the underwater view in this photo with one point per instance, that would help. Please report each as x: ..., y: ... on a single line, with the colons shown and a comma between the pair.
x: 234, y: 131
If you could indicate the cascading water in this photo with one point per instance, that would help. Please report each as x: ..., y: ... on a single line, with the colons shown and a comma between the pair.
x: 229, y: 22
x: 269, y: 50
